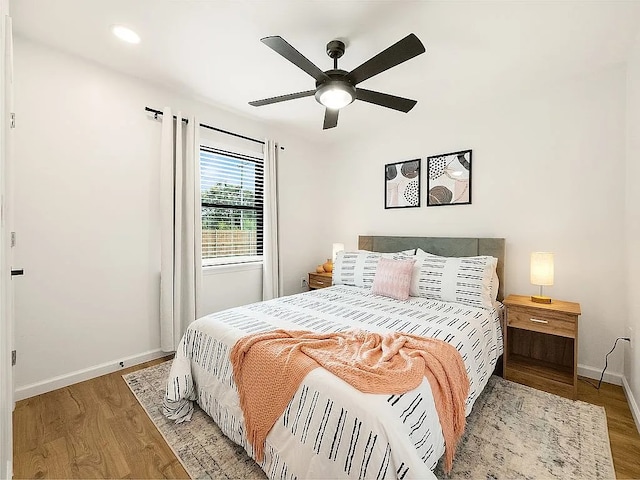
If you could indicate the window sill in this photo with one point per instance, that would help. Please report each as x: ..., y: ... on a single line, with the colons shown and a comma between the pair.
x: 231, y: 268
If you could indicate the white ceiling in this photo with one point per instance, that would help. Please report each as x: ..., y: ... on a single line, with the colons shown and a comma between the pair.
x: 211, y: 49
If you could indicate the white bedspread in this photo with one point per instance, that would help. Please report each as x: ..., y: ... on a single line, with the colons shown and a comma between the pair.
x: 330, y: 429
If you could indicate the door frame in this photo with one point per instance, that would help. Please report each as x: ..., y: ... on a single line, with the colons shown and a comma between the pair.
x: 6, y: 304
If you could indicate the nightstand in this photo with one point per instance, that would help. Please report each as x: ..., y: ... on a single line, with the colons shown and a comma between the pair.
x: 319, y: 280
x: 541, y: 344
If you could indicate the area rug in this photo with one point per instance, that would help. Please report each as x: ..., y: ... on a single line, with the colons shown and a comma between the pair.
x: 513, y: 432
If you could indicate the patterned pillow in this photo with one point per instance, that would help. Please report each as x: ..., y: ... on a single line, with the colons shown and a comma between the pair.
x: 469, y: 280
x: 495, y: 281
x: 359, y: 268
x: 393, y: 278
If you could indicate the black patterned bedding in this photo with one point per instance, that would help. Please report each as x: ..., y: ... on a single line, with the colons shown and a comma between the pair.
x: 330, y: 429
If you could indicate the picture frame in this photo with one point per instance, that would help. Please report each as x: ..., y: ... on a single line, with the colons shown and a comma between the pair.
x: 449, y: 179
x: 402, y: 184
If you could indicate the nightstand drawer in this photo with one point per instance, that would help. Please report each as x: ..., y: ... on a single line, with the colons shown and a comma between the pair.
x: 550, y: 322
x: 320, y: 280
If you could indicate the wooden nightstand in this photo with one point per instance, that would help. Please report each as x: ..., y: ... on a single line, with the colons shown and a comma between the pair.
x: 319, y: 280
x: 541, y: 344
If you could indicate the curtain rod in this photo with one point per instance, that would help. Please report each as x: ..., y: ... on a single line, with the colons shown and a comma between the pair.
x: 158, y: 112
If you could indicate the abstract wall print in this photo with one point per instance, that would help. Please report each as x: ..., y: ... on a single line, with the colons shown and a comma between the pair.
x: 449, y: 179
x: 402, y: 184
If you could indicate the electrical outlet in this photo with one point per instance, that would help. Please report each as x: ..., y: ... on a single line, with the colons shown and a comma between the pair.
x: 303, y: 282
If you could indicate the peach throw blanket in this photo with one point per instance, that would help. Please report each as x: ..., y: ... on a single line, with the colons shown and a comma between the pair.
x: 269, y: 367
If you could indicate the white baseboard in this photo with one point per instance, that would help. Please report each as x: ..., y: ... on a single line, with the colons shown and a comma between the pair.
x: 633, y: 405
x: 594, y: 373
x: 85, y: 374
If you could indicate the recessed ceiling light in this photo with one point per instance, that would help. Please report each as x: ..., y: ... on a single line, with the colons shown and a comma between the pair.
x: 125, y: 34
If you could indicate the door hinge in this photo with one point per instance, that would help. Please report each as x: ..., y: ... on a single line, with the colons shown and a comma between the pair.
x: 13, y: 239
x: 13, y: 120
x: 14, y: 356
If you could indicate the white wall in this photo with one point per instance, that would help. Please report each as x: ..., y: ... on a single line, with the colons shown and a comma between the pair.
x: 87, y: 216
x: 632, y: 174
x: 245, y: 288
x: 548, y: 175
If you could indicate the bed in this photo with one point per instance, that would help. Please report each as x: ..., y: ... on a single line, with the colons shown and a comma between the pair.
x: 329, y: 429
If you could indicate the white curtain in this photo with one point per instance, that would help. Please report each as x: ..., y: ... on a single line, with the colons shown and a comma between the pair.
x: 271, y: 274
x: 181, y: 247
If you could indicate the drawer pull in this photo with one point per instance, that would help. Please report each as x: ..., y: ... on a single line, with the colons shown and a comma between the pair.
x: 538, y: 321
x: 319, y: 282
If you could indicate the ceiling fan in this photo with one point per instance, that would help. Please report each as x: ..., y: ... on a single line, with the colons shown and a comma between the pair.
x: 336, y: 88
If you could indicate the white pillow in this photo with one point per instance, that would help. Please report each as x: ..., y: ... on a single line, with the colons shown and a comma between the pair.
x: 495, y: 281
x: 468, y: 280
x: 359, y: 268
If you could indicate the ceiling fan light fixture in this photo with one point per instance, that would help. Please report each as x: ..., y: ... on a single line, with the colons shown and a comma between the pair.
x: 336, y: 95
x: 125, y: 34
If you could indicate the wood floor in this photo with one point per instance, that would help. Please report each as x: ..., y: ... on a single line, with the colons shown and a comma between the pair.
x: 93, y: 429
x: 97, y: 429
x: 623, y: 434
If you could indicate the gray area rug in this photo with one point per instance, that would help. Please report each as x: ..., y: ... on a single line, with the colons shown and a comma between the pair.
x: 513, y: 432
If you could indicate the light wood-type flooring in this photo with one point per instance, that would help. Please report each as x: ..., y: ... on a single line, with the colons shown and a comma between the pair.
x: 97, y: 429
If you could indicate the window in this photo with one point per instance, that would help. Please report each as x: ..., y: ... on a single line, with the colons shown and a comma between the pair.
x: 232, y: 192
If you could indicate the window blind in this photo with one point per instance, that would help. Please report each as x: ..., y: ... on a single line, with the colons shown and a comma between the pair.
x: 232, y: 191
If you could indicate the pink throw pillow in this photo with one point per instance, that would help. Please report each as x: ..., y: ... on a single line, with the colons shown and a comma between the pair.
x: 393, y: 278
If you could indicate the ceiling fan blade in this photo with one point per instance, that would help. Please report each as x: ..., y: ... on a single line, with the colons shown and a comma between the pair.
x: 280, y: 45
x: 282, y: 98
x: 407, y: 48
x: 385, y: 100
x: 330, y: 118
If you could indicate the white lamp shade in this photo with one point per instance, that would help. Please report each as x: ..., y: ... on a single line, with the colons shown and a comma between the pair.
x: 542, y: 268
x: 335, y: 98
x: 337, y: 247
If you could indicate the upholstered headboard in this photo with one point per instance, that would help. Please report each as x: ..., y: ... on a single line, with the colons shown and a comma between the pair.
x: 443, y: 246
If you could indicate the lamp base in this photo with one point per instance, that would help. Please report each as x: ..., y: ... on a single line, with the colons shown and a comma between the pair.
x: 540, y: 299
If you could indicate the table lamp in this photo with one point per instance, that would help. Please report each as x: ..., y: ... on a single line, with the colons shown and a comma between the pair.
x: 328, y: 265
x: 541, y: 273
x: 337, y: 247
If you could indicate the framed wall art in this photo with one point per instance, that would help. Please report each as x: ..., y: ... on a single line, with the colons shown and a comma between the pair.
x: 402, y: 184
x: 449, y: 179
